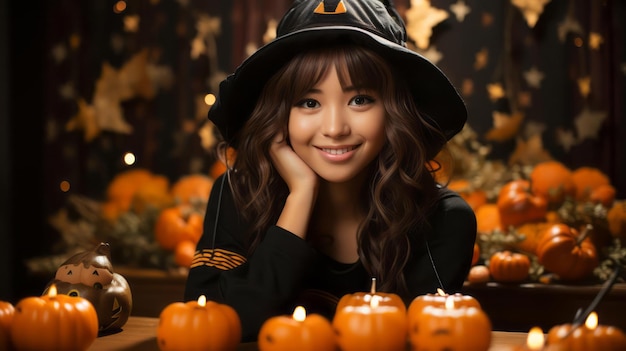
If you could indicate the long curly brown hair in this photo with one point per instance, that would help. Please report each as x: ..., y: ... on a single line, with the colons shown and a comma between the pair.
x: 401, y: 189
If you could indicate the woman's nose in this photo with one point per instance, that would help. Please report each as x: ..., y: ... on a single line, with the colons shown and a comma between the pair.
x: 334, y: 123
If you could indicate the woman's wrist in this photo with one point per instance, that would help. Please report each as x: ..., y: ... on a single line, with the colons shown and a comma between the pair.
x: 297, y: 211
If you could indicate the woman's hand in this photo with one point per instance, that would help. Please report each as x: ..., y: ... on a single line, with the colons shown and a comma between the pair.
x: 297, y: 174
x: 302, y: 183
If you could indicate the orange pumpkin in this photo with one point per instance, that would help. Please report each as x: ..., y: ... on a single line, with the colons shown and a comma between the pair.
x: 298, y: 332
x: 584, y: 338
x: 476, y: 254
x: 6, y: 317
x: 488, y: 218
x: 54, y: 322
x: 372, y: 321
x: 474, y: 197
x: 553, y: 181
x: 616, y: 218
x: 450, y: 328
x: 177, y: 224
x: 564, y: 252
x: 439, y: 300
x: 508, y: 266
x: 193, y: 188
x: 154, y: 193
x: 518, y: 205
x: 586, y: 180
x: 184, y: 252
x: 219, y: 166
x: 479, y: 274
x: 135, y: 189
x: 198, y: 325
x: 603, y: 194
x: 532, y: 233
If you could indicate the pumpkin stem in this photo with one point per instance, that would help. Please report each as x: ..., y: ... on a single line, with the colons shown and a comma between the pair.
x: 373, y: 290
x: 586, y: 232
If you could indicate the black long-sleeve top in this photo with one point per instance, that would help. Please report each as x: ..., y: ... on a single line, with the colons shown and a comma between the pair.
x: 285, y: 271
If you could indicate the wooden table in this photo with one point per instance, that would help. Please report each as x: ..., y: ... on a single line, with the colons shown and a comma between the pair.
x: 518, y: 307
x: 139, y: 334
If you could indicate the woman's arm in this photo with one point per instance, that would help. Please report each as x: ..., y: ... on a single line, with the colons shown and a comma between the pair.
x: 256, y: 286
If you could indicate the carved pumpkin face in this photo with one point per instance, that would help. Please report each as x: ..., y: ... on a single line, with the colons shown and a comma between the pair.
x: 90, y: 275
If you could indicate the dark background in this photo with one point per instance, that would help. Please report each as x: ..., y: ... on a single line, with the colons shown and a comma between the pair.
x: 33, y: 159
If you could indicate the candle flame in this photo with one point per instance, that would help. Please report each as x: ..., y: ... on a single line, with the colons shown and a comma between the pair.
x: 299, y: 314
x: 52, y: 291
x: 449, y: 303
x: 202, y: 301
x: 535, y: 339
x: 592, y: 321
x: 440, y: 292
x: 373, y: 290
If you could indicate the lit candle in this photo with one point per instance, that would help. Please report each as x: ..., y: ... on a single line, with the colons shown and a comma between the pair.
x: 198, y: 325
x: 439, y: 299
x: 54, y: 322
x: 371, y: 321
x: 450, y: 328
x: 297, y: 332
x: 591, y: 336
x: 535, y: 340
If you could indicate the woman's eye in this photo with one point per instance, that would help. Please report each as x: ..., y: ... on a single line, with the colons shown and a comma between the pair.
x: 361, y: 100
x: 308, y: 103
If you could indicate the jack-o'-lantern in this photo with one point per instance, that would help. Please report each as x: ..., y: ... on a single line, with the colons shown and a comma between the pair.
x: 90, y: 275
x: 371, y: 321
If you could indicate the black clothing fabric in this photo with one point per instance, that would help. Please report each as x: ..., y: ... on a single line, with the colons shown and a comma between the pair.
x: 285, y: 271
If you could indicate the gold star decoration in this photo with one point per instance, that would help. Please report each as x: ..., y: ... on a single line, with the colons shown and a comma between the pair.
x: 569, y: 24
x: 207, y: 137
x: 460, y: 10
x: 529, y: 152
x: 588, y: 123
x: 505, y: 126
x: 198, y: 47
x: 467, y: 87
x: 59, y: 53
x: 565, y: 138
x: 496, y: 91
x: 533, y: 77
x: 584, y: 86
x: 207, y: 25
x: 131, y: 23
x: 134, y: 79
x: 481, y: 59
x: 595, y: 40
x: 84, y: 119
x: 67, y: 91
x: 420, y: 20
x: 531, y: 9
x: 270, y: 32
x: 432, y: 54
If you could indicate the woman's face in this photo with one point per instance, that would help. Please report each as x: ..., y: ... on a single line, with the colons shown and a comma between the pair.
x: 337, y: 130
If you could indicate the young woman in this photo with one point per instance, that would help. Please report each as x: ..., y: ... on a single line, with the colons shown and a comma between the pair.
x: 334, y: 123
